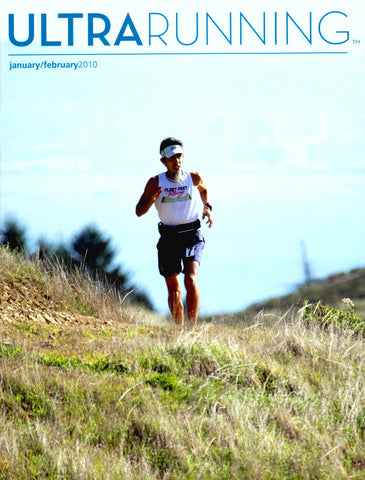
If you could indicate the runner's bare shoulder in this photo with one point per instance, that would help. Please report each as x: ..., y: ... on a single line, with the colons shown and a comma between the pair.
x: 197, y: 179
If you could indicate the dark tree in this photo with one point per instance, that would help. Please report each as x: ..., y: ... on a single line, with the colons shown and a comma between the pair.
x: 13, y: 235
x: 92, y: 249
x: 94, y: 252
x: 60, y: 252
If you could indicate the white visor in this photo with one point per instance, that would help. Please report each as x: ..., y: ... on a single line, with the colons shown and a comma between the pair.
x: 172, y: 150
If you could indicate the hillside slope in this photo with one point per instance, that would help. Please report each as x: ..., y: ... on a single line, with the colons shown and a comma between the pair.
x: 93, y: 389
x: 330, y: 290
x: 43, y: 293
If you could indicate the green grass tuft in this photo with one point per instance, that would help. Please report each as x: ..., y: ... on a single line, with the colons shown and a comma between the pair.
x: 326, y: 315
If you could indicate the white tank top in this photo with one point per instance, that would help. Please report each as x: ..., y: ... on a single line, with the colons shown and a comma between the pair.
x: 178, y: 202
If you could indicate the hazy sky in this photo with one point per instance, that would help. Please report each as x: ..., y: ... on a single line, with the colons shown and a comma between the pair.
x: 277, y: 136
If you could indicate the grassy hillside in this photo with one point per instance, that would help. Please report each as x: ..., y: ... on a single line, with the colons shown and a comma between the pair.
x: 92, y: 388
x: 330, y: 290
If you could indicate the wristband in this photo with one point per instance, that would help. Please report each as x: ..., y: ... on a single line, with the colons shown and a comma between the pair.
x: 208, y: 205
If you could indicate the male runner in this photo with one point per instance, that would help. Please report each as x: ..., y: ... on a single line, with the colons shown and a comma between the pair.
x: 175, y: 194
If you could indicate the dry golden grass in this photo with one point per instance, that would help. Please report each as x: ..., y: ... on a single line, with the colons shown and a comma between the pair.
x: 112, y: 393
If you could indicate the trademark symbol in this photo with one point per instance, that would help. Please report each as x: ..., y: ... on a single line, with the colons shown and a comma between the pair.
x: 356, y: 42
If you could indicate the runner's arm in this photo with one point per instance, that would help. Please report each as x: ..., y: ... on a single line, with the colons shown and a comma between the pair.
x: 198, y: 182
x: 151, y: 193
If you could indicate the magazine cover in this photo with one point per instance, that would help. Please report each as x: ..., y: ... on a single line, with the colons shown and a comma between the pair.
x: 267, y: 98
x: 124, y: 125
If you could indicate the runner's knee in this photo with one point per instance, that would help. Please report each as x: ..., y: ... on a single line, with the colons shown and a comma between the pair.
x: 173, y: 286
x: 190, y: 280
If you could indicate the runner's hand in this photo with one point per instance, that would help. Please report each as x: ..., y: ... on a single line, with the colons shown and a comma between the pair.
x: 156, y: 194
x: 208, y: 215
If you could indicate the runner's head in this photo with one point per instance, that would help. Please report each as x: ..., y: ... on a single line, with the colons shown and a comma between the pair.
x: 171, y: 146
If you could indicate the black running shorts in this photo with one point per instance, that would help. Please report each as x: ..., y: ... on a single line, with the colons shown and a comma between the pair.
x: 176, y: 249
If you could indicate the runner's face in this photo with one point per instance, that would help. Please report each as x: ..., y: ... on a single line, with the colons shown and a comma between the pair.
x: 174, y: 163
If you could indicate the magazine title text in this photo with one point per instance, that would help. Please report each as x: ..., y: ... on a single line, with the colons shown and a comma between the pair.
x: 199, y: 29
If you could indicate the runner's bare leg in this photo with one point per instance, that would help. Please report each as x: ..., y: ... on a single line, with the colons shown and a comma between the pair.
x: 174, y: 299
x: 192, y: 292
